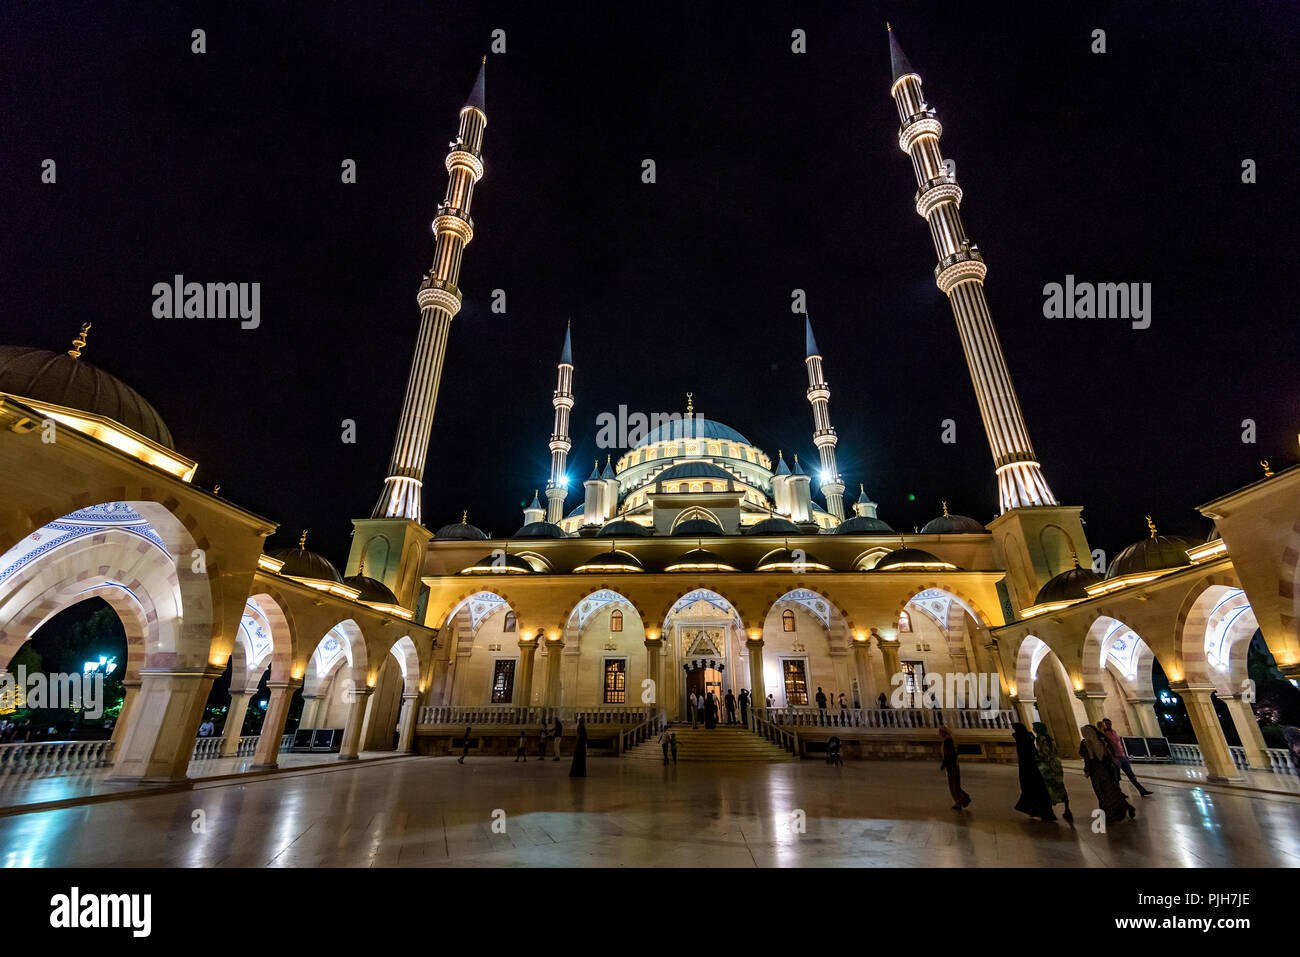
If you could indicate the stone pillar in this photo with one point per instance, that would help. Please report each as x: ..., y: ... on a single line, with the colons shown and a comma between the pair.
x: 348, y: 751
x: 1252, y: 740
x: 1145, y: 712
x: 862, y: 665
x: 755, y: 646
x: 527, y: 654
x: 132, y: 689
x: 1025, y: 708
x: 554, y: 660
x: 313, y: 709
x: 1209, y: 735
x: 267, y: 755
x: 653, y: 646
x: 234, y: 723
x: 406, y: 723
x: 1094, y: 705
x: 889, y: 651
x: 162, y: 726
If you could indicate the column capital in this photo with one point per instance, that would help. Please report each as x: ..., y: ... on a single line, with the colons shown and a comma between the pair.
x: 752, y: 643
x: 292, y: 684
x: 1085, y: 695
x: 654, y: 643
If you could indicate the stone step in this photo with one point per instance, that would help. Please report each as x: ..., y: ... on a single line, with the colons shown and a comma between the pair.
x: 731, y: 744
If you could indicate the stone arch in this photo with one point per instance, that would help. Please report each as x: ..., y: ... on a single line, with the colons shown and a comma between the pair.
x: 341, y: 645
x: 1288, y: 583
x: 965, y: 601
x: 408, y: 659
x: 538, y: 562
x: 868, y: 559
x: 265, y: 639
x: 1112, y: 643
x: 1214, y: 627
x: 693, y: 512
x: 701, y: 587
x: 1043, y: 683
x: 1045, y: 536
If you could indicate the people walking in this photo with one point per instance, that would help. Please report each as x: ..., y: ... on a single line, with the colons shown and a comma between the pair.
x: 663, y: 743
x: 730, y: 702
x: 692, y: 703
x: 1049, y: 766
x: 672, y: 745
x: 1100, y: 768
x: 464, y: 746
x: 744, y: 706
x: 960, y: 799
x: 579, y: 767
x: 558, y: 734
x: 521, y: 751
x: 1034, y: 799
x: 882, y: 702
x: 710, y: 711
x: 821, y: 705
x: 771, y: 703
x: 844, y: 710
x: 541, y: 741
x: 699, y: 711
x: 1120, y: 756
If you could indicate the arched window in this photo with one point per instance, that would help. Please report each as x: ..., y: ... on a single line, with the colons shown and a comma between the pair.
x: 615, y: 620
x: 787, y: 620
x: 511, y: 623
x: 904, y: 622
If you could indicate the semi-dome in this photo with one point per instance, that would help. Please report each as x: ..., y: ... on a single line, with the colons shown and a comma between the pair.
x: 622, y: 528
x: 1071, y: 585
x: 947, y: 524
x: 913, y: 559
x: 1153, y: 554
x: 690, y: 470
x: 698, y: 527
x: 495, y: 564
x: 692, y: 428
x: 700, y: 560
x: 371, y: 589
x: 61, y: 379
x: 791, y: 560
x: 461, y: 531
x: 540, y: 530
x: 774, y: 526
x: 862, y: 525
x: 300, y: 562
x: 614, y: 561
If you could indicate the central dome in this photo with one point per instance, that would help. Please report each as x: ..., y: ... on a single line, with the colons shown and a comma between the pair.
x: 693, y: 428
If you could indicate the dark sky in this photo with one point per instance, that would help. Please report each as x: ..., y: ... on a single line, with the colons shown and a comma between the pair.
x: 775, y: 171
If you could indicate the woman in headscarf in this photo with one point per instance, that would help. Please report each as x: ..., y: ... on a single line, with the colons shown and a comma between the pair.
x: 1099, y: 766
x: 579, y: 767
x: 1034, y: 799
x: 1049, y: 766
x: 949, y: 764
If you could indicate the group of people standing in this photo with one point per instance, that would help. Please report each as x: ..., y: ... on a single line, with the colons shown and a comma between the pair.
x: 1042, y: 779
x: 704, y: 708
x: 549, y: 734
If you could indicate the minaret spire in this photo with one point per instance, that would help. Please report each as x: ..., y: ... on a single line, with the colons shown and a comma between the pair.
x: 819, y: 395
x: 439, y: 299
x: 960, y: 276
x: 557, y: 485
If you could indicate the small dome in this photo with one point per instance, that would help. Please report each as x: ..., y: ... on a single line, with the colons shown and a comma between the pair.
x: 862, y: 525
x: 498, y: 565
x: 60, y: 379
x: 785, y: 560
x: 622, y: 528
x: 1152, y: 554
x: 540, y: 530
x: 698, y: 527
x: 908, y: 559
x: 611, y: 562
x: 690, y: 470
x: 301, y: 563
x: 461, y: 531
x: 1070, y: 585
x: 692, y: 428
x: 372, y: 590
x: 947, y: 524
x: 774, y: 526
x: 577, y: 510
x: 700, y: 560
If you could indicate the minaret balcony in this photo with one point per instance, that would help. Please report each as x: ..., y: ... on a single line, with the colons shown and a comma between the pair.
x: 923, y: 124
x: 562, y: 400
x: 560, y: 444
x: 964, y: 264
x: 453, y: 219
x: 820, y: 392
x: 466, y: 158
x: 824, y: 437
x: 941, y: 189
x: 439, y: 293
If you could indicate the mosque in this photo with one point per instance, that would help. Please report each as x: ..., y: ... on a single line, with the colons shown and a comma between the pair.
x: 693, y: 562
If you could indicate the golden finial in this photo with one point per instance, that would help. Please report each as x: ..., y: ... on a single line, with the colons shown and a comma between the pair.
x: 1151, y: 525
x: 1268, y: 472
x: 464, y: 517
x: 1074, y: 554
x: 302, y: 541
x: 216, y: 490
x: 690, y: 404
x: 887, y: 26
x: 361, y: 565
x: 79, y: 343
x: 945, y: 509
x: 861, y: 490
x: 484, y: 59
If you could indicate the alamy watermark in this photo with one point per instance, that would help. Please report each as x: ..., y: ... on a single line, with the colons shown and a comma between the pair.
x: 955, y: 689
x: 624, y: 430
x: 80, y: 692
x: 1102, y: 300
x: 179, y: 299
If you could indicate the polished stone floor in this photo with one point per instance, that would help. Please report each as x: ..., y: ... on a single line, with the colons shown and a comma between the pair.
x: 433, y: 812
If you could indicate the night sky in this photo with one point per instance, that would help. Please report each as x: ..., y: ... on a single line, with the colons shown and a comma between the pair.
x: 775, y: 171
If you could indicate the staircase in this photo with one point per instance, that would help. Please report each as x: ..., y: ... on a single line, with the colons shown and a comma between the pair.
x: 733, y: 744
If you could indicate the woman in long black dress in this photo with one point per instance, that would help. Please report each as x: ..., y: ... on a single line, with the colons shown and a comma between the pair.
x: 1034, y: 799
x: 1100, y: 768
x: 579, y: 767
x: 949, y: 765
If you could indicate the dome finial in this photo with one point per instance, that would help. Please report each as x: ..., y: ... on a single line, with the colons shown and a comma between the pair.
x: 1151, y: 525
x: 464, y: 517
x: 690, y: 405
x: 1268, y: 471
x: 945, y: 508
x: 302, y: 539
x: 79, y: 343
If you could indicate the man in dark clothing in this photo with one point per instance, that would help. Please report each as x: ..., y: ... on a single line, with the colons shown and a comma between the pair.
x: 559, y: 733
x: 744, y: 706
x: 464, y: 750
x: 821, y: 705
x: 730, y: 702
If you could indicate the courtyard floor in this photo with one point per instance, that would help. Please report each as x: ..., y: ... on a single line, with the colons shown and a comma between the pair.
x: 426, y: 811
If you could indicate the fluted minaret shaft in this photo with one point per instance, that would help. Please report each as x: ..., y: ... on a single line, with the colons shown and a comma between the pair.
x: 824, y: 437
x: 960, y: 276
x: 557, y: 486
x: 439, y: 299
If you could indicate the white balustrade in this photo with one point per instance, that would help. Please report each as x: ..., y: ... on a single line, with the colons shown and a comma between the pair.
x: 506, y: 714
x: 957, y: 719
x: 52, y: 757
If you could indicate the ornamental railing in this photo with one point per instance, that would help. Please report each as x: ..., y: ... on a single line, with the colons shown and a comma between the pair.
x: 1279, y: 759
x: 964, y: 719
x: 775, y: 733
x: 508, y: 714
x: 53, y: 757
x: 647, y: 729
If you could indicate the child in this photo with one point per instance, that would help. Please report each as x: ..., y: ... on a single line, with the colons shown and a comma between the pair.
x: 520, y: 750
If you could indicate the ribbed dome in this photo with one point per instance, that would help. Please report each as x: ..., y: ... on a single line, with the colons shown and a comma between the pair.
x: 693, y: 428
x: 540, y: 530
x: 699, y: 559
x: 622, y: 528
x: 611, y: 562
x: 950, y: 525
x: 698, y: 526
x: 901, y: 557
x: 1152, y: 554
x: 774, y: 526
x: 862, y: 525
x: 62, y: 380
x: 461, y: 531
x: 494, y: 565
x: 1070, y: 585
x: 372, y: 590
x: 785, y: 559
x: 690, y: 470
x: 302, y: 563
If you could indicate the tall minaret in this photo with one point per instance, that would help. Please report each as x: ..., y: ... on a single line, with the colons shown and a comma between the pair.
x: 960, y: 276
x: 439, y: 300
x: 819, y: 394
x: 557, y: 485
